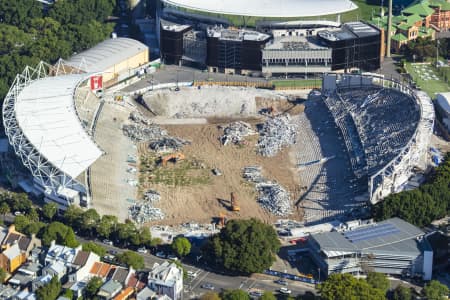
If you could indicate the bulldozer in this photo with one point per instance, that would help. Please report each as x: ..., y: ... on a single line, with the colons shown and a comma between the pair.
x: 172, y: 157
x: 234, y: 204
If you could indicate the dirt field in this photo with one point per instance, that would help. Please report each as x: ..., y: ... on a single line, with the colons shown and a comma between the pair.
x: 203, y: 200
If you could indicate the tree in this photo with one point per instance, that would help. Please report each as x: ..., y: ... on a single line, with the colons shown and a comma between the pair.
x: 49, y: 210
x: 243, y: 246
x: 93, y: 247
x: 131, y: 258
x: 49, y: 291
x: 234, y: 295
x: 4, y: 208
x: 435, y: 290
x: 402, y: 292
x: 89, y: 220
x: 378, y: 281
x: 145, y: 237
x: 268, y: 296
x: 68, y: 293
x: 181, y: 246
x: 107, y: 225
x: 60, y: 233
x: 20, y: 222
x: 33, y: 215
x: 3, y: 275
x: 345, y: 286
x: 33, y: 228
x: 72, y: 216
x: 210, y: 296
x: 93, y: 286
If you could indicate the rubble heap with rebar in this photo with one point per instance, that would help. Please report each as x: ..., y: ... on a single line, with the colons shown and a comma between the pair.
x: 236, y: 132
x: 271, y: 196
x: 275, y: 134
x: 144, y: 211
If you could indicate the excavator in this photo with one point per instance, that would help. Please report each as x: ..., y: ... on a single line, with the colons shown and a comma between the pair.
x: 234, y: 204
x: 172, y: 157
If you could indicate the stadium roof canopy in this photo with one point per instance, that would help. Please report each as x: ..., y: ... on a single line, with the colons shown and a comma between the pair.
x: 268, y: 8
x: 45, y: 112
x: 106, y: 54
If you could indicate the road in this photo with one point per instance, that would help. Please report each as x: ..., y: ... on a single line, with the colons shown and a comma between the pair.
x: 192, y: 286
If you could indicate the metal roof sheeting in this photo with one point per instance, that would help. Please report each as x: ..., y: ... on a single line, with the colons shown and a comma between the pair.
x: 268, y: 8
x: 46, y: 113
x: 106, y: 54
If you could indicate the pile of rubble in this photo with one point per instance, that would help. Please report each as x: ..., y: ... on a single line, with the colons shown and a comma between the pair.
x: 272, y: 196
x: 142, y: 130
x: 235, y: 132
x: 152, y: 196
x: 253, y: 174
x: 167, y: 144
x: 276, y: 133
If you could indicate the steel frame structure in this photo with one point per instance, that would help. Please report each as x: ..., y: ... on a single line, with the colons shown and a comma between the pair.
x: 49, y: 176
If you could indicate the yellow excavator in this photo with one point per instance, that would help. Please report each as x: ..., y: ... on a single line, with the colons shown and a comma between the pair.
x: 234, y: 203
x: 172, y: 157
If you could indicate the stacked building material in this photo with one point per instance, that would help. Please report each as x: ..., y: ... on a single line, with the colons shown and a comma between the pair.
x: 276, y: 133
x: 144, y: 212
x: 152, y: 196
x: 253, y: 174
x: 274, y: 198
x: 137, y: 117
x: 169, y: 143
x: 235, y: 132
x: 143, y: 133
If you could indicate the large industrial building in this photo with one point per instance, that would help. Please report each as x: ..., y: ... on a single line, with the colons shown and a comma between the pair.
x: 392, y: 247
x: 273, y: 48
x: 115, y: 58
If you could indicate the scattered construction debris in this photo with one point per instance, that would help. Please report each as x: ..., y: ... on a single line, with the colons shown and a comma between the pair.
x: 152, y: 196
x: 166, y: 144
x: 144, y: 211
x: 272, y: 196
x: 143, y: 133
x: 276, y: 133
x: 235, y: 132
x: 216, y: 172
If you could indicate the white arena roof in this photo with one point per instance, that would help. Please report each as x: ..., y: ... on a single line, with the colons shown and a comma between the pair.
x: 106, y: 54
x: 268, y: 8
x: 45, y: 112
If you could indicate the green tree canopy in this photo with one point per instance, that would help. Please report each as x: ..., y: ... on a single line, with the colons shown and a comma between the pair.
x: 268, y: 296
x: 49, y: 210
x: 93, y: 286
x: 59, y: 232
x: 93, y: 247
x: 131, y: 258
x: 2, y: 275
x: 181, y: 246
x: 210, y: 296
x: 234, y: 295
x: 244, y: 246
x: 345, y: 287
x: 435, y: 290
x: 107, y: 225
x: 49, y: 291
x: 378, y: 281
x: 402, y: 292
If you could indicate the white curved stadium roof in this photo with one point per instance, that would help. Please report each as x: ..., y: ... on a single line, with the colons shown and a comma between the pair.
x: 268, y: 8
x: 106, y: 54
x: 45, y: 112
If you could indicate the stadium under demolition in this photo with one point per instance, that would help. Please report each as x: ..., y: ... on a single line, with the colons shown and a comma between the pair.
x: 197, y: 154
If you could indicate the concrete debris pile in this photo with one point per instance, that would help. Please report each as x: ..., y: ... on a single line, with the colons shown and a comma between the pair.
x: 274, y: 198
x: 152, y: 196
x: 275, y: 134
x: 145, y: 212
x: 142, y: 130
x: 253, y: 174
x: 168, y: 144
x: 271, y: 196
x: 235, y: 132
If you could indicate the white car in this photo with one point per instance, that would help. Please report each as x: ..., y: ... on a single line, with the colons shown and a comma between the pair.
x: 142, y: 250
x: 107, y: 242
x: 285, y: 291
x: 191, y: 274
x: 172, y: 257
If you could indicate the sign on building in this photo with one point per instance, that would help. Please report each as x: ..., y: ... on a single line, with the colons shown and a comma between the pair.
x: 96, y: 82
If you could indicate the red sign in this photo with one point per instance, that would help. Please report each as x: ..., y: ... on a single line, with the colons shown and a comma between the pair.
x: 96, y: 82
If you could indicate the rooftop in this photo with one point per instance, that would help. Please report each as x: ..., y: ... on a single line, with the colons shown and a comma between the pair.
x: 268, y: 8
x: 393, y: 235
x: 294, y: 43
x: 421, y: 8
x: 236, y: 34
x: 106, y: 54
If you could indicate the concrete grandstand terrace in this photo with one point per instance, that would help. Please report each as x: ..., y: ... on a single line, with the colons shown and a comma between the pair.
x: 331, y: 185
x: 110, y: 189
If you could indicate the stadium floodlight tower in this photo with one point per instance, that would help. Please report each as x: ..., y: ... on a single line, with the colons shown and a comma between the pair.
x: 43, y: 127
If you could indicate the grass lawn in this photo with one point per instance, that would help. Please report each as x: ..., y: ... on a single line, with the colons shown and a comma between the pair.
x: 298, y: 83
x: 431, y: 87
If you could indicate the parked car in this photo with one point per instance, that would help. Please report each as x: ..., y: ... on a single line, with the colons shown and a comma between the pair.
x: 160, y: 254
x: 285, y: 291
x: 255, y: 294
x: 142, y: 250
x: 113, y: 252
x: 207, y: 286
x: 191, y: 274
x: 172, y: 257
x: 281, y: 282
x: 107, y: 242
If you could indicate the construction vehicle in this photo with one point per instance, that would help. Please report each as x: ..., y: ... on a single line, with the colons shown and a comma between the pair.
x: 222, y: 219
x: 234, y: 204
x: 175, y: 157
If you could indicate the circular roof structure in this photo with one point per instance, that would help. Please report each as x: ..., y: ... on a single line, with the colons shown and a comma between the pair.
x: 268, y: 8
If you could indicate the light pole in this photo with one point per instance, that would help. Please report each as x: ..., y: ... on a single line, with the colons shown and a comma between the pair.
x: 319, y: 273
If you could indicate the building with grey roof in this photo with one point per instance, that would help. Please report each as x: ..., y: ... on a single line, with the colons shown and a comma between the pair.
x: 110, y: 289
x: 392, y: 247
x: 166, y: 279
x: 113, y: 57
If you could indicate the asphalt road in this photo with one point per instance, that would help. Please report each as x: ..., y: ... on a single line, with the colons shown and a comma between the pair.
x: 193, y: 286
